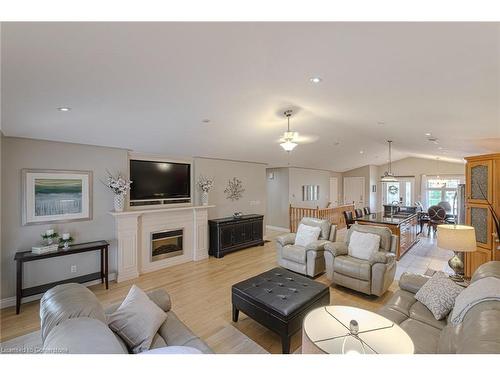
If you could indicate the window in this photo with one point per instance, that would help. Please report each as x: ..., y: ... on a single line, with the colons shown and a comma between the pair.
x: 442, y: 189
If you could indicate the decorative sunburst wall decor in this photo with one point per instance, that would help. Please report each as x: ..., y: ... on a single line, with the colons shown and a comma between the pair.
x: 234, y: 189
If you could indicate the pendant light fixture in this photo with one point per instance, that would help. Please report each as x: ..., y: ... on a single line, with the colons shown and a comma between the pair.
x: 388, y: 175
x: 288, y: 144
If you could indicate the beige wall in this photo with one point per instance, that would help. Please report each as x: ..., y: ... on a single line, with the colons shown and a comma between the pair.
x: 404, y: 167
x: 374, y: 181
x: 18, y: 153
x: 286, y: 189
x: 418, y: 167
x: 1, y: 200
x: 303, y: 176
x: 252, y: 175
x: 277, y: 197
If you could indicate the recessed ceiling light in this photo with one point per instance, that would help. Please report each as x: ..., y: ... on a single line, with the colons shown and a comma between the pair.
x: 64, y: 109
x: 361, y: 152
x: 428, y: 134
x: 380, y: 123
x: 315, y: 79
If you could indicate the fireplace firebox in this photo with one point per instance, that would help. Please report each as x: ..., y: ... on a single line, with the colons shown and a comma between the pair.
x: 166, y: 244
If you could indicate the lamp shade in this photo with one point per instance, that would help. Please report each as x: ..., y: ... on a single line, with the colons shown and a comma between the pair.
x: 461, y: 238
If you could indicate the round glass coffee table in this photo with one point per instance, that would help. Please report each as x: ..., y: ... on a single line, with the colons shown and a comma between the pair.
x: 350, y: 330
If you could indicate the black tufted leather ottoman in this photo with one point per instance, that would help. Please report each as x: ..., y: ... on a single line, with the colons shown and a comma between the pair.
x: 279, y: 300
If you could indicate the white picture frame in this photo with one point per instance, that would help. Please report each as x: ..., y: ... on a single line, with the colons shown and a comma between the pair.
x: 56, y: 196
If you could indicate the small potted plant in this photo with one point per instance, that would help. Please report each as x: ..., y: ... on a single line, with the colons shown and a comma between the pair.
x: 119, y: 186
x: 205, y: 184
x: 49, y: 236
x: 65, y: 240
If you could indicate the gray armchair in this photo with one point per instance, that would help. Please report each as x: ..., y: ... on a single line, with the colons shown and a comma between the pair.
x: 308, y: 260
x: 372, y: 276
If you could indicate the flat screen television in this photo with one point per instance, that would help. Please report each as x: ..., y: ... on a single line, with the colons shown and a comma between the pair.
x: 157, y: 180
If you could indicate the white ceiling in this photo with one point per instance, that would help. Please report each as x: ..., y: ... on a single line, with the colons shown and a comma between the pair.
x: 148, y: 86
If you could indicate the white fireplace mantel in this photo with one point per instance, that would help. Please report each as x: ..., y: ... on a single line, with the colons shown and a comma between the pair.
x: 133, y: 230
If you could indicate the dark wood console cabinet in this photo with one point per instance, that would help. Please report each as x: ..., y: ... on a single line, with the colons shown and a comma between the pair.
x: 230, y: 234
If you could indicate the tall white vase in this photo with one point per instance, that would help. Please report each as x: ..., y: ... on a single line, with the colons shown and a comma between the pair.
x: 119, y: 202
x: 204, y: 198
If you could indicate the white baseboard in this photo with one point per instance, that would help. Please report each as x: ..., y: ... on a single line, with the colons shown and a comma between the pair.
x: 280, y: 229
x: 11, y: 301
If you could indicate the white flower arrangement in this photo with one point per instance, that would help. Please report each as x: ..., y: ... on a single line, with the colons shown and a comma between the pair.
x: 118, y: 184
x: 205, y: 183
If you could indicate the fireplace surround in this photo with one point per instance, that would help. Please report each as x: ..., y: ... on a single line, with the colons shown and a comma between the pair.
x: 135, y: 231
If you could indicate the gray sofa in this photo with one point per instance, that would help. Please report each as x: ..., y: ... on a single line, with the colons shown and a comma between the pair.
x: 307, y: 260
x: 372, y: 276
x: 478, y: 333
x: 73, y: 321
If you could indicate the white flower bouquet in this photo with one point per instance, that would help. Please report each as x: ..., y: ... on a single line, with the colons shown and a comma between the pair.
x: 118, y: 184
x: 205, y: 183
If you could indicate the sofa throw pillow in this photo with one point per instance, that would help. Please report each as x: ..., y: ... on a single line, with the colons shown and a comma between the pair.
x: 439, y: 294
x: 306, y: 234
x: 363, y: 245
x: 137, y: 320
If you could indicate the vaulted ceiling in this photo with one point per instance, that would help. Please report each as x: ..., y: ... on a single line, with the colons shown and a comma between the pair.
x: 149, y: 86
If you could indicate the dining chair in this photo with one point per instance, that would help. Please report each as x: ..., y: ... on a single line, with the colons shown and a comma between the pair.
x: 437, y: 216
x: 450, y: 217
x: 367, y: 210
x: 349, y: 220
x: 358, y: 212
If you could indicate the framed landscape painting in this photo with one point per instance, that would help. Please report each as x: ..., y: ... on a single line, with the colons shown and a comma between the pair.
x: 56, y: 196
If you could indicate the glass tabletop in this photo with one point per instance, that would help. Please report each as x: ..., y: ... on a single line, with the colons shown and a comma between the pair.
x: 329, y: 328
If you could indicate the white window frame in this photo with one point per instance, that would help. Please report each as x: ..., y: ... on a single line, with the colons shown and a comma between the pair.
x: 426, y: 189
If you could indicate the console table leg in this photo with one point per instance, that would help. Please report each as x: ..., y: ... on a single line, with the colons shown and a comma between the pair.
x: 235, y: 314
x: 102, y: 266
x: 106, y: 267
x: 19, y: 285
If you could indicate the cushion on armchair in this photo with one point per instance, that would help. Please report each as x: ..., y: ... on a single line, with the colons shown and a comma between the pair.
x: 306, y: 234
x: 363, y: 245
x: 384, y: 233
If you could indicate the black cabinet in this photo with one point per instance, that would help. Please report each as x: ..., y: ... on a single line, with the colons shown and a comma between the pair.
x: 230, y: 234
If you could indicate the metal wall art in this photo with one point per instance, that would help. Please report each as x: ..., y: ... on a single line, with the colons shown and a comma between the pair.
x: 234, y: 189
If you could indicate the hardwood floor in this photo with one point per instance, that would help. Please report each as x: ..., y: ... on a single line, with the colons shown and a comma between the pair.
x: 201, y: 295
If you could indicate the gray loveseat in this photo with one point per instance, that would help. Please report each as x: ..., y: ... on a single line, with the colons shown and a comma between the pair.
x: 307, y: 260
x: 73, y: 321
x: 478, y: 333
x: 372, y: 276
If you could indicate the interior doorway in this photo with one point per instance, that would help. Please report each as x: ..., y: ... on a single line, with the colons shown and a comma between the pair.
x: 334, y: 191
x: 354, y: 191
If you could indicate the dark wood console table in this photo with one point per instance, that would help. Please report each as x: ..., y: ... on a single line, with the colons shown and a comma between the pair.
x: 230, y: 234
x: 22, y: 257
